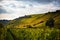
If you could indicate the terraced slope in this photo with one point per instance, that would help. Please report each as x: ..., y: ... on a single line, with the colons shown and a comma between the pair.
x: 37, y: 20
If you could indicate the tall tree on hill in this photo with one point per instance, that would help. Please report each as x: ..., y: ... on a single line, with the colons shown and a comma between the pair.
x: 50, y: 22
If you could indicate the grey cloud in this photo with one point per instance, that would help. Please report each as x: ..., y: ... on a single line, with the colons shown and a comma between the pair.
x: 22, y: 7
x: 39, y: 1
x: 1, y: 0
x: 2, y: 10
x: 57, y: 2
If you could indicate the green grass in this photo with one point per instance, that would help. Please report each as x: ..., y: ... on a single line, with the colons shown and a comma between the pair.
x: 2, y: 33
x: 8, y: 36
x: 36, y: 33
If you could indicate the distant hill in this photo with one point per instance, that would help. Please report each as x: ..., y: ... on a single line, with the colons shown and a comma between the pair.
x: 4, y: 22
x: 36, y: 20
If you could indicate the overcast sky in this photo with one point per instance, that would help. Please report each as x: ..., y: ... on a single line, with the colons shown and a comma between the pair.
x: 11, y: 9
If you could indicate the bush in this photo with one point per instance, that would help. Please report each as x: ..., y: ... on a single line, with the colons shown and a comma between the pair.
x: 50, y: 22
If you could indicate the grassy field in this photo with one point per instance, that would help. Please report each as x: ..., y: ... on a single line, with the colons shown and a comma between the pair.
x: 33, y: 34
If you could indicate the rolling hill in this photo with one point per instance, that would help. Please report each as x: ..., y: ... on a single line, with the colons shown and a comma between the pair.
x: 36, y: 20
x: 32, y: 27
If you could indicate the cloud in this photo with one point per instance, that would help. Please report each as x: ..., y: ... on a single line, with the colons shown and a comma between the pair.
x: 17, y: 8
x: 55, y: 2
x: 2, y: 10
x: 0, y: 0
x: 38, y: 1
x: 9, y: 16
x: 41, y: 1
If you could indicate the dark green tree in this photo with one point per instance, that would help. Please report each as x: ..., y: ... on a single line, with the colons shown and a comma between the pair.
x: 50, y: 22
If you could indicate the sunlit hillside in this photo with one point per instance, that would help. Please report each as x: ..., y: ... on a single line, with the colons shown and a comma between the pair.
x: 36, y: 20
x: 32, y: 27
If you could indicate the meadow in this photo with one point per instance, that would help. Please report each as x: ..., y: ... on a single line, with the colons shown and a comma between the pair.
x: 33, y: 34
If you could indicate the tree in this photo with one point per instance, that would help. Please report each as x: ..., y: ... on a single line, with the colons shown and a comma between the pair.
x: 50, y: 22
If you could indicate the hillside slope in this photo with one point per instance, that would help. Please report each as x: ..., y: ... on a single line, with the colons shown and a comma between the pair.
x: 32, y: 27
x: 36, y: 20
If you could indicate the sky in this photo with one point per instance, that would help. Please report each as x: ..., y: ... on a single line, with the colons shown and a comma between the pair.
x: 11, y: 9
